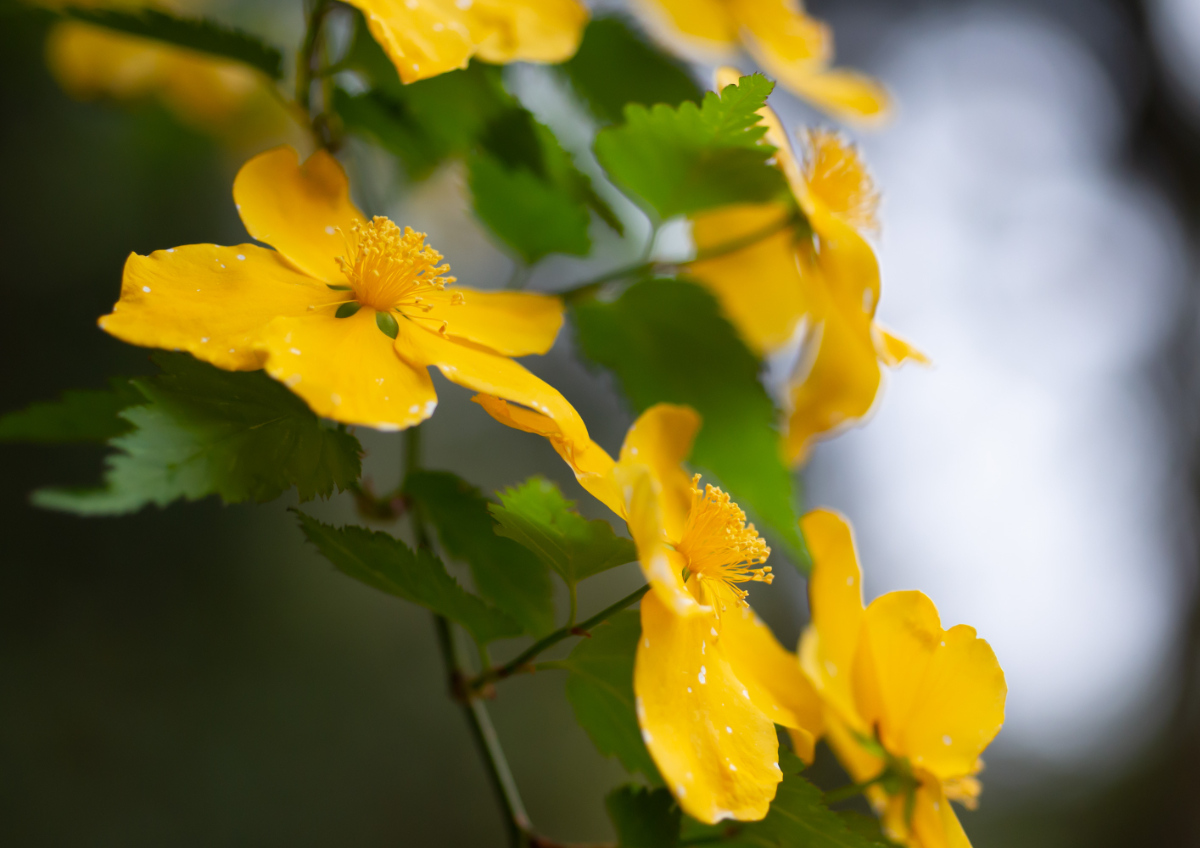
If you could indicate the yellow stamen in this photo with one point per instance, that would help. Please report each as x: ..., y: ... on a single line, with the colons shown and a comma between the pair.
x: 837, y: 175
x: 390, y: 269
x: 720, y: 547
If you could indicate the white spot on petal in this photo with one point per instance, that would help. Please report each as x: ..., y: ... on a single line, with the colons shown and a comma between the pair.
x: 204, y: 340
x: 439, y: 26
x: 850, y: 580
x: 415, y: 408
x: 146, y: 289
x: 728, y: 729
x: 330, y: 230
x: 745, y: 694
x: 242, y: 257
x: 294, y: 350
x: 336, y: 398
x: 170, y: 250
x: 946, y: 740
x: 689, y: 690
x: 712, y: 630
x: 679, y: 788
x: 703, y: 672
x: 646, y: 737
x: 732, y: 767
x: 831, y: 668
x: 293, y: 380
x: 430, y: 406
x: 387, y: 428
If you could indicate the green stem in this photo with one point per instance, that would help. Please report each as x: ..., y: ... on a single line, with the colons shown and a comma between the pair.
x: 845, y: 792
x: 523, y: 662
x: 483, y: 733
x: 308, y: 68
x: 573, y: 595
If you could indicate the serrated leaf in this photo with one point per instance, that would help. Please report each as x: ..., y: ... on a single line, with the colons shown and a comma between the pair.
x: 798, y: 818
x: 643, y: 817
x: 202, y: 431
x: 538, y: 516
x: 600, y: 689
x: 667, y: 341
x: 615, y: 66
x: 89, y: 415
x: 689, y: 158
x: 202, y: 35
x: 505, y: 573
x: 387, y: 564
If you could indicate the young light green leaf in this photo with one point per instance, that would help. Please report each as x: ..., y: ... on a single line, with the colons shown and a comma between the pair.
x: 504, y: 572
x: 687, y: 159
x: 197, y: 34
x: 615, y: 66
x: 202, y: 431
x: 600, y: 689
x: 667, y: 341
x: 387, y: 564
x: 89, y: 415
x: 643, y: 817
x: 538, y: 516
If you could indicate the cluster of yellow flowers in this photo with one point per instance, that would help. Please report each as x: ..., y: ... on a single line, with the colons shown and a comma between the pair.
x: 350, y: 313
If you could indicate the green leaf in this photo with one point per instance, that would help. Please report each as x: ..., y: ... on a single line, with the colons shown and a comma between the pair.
x: 798, y: 818
x: 386, y: 563
x: 538, y: 516
x: 615, y: 66
x: 88, y: 415
x: 600, y: 689
x: 203, y: 431
x: 643, y: 817
x: 504, y: 572
x: 687, y: 159
x: 668, y: 341
x: 198, y: 34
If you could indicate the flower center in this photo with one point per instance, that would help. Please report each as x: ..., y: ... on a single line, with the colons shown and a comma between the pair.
x: 390, y: 269
x: 721, y: 549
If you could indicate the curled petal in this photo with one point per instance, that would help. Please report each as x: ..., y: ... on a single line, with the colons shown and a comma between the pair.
x: 531, y: 30
x: 701, y: 29
x: 661, y: 439
x: 211, y: 301
x: 661, y: 563
x: 510, y: 323
x: 717, y: 752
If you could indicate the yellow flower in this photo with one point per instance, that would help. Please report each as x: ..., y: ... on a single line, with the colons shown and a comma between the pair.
x: 425, y: 38
x: 903, y: 696
x: 92, y: 62
x: 710, y: 678
x: 790, y: 46
x: 823, y: 289
x: 348, y: 313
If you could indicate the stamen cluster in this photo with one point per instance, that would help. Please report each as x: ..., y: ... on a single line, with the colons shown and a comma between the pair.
x: 718, y: 543
x: 391, y: 269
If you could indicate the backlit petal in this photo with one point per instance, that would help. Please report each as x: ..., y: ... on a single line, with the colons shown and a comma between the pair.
x: 835, y: 599
x: 895, y: 351
x: 510, y: 323
x: 717, y: 752
x: 661, y: 439
x: 211, y: 301
x: 303, y: 211
x: 531, y: 30
x: 782, y: 38
x: 771, y: 674
x: 483, y: 371
x: 701, y: 29
x: 424, y: 39
x: 900, y: 633
x: 591, y: 464
x: 347, y: 370
x: 661, y: 564
x: 934, y: 823
x: 758, y: 287
x: 853, y: 97
x: 959, y: 707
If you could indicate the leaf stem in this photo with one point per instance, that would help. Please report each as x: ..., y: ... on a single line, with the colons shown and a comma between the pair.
x: 308, y: 68
x: 523, y: 662
x: 846, y: 792
x: 483, y: 733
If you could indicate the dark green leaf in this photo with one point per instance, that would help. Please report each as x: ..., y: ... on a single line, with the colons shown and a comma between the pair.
x: 600, y: 689
x: 203, y: 431
x: 79, y: 416
x: 643, y: 817
x: 538, y: 516
x: 204, y: 36
x: 687, y: 159
x: 504, y: 572
x: 667, y: 341
x: 615, y: 66
x: 386, y: 563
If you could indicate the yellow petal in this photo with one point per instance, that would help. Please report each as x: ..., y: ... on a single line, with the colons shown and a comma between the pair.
x: 510, y: 323
x: 661, y: 439
x: 483, y: 371
x: 837, y: 184
x: 591, y: 464
x: 531, y: 30
x: 959, y: 707
x: 424, y: 39
x: 303, y: 211
x: 662, y: 565
x: 848, y: 95
x: 758, y: 287
x: 895, y: 351
x: 346, y: 369
x: 717, y: 752
x: 858, y: 762
x: 772, y: 675
x: 211, y: 301
x: 701, y: 29
x: 900, y: 633
x: 835, y: 600
x: 933, y: 824
x: 782, y: 38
